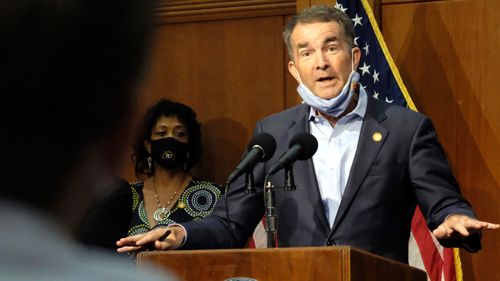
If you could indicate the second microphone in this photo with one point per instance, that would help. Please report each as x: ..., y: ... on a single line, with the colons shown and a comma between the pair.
x: 260, y: 149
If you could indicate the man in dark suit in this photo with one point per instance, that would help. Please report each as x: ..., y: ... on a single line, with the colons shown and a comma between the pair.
x: 374, y: 164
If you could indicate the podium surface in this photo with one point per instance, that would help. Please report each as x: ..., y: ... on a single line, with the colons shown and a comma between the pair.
x: 304, y: 263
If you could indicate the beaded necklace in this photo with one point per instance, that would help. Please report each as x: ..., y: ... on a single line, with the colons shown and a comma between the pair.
x: 163, y: 212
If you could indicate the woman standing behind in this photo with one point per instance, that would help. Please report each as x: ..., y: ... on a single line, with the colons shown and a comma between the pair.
x: 167, y: 147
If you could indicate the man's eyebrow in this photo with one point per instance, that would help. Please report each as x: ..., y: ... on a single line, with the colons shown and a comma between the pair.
x: 302, y: 45
x: 330, y: 39
x: 326, y: 41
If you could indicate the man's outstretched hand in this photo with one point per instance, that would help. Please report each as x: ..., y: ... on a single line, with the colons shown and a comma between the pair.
x: 169, y: 238
x: 461, y: 225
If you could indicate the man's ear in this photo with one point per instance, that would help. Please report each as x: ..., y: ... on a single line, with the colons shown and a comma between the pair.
x: 293, y: 70
x: 356, y: 57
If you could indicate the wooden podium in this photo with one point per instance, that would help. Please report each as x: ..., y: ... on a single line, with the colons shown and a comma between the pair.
x: 307, y: 263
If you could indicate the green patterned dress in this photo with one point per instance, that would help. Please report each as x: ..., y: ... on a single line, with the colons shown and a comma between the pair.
x: 196, y: 202
x: 121, y: 212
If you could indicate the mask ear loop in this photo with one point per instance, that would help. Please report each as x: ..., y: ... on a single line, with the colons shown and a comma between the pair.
x: 352, y: 59
x: 354, y: 85
x: 297, y: 73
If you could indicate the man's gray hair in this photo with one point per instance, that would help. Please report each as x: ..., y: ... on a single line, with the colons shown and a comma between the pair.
x: 320, y: 13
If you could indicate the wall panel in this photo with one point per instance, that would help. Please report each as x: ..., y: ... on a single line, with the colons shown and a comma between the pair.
x: 446, y: 52
x: 174, y: 11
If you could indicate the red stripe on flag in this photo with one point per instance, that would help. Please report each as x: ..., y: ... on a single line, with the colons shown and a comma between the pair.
x: 449, y: 265
x: 251, y: 243
x: 430, y: 255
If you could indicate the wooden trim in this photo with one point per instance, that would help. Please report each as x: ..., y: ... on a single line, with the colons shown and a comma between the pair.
x: 176, y: 11
x: 346, y: 263
x: 374, y: 4
x: 411, y: 1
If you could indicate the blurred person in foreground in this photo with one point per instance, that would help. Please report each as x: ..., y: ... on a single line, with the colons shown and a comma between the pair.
x: 68, y: 79
x: 375, y: 162
x: 167, y: 147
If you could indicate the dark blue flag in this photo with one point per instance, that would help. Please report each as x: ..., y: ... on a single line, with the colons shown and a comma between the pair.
x: 379, y: 76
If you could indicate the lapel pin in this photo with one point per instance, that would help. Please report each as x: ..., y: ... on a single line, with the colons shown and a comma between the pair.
x: 377, y: 136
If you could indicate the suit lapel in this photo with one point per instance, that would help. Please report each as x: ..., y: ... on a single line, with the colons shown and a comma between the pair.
x: 368, y: 148
x: 305, y: 176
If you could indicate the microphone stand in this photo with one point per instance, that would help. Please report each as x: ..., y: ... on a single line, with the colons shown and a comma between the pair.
x: 270, y: 214
x: 270, y: 205
x: 289, y: 179
x: 249, y: 182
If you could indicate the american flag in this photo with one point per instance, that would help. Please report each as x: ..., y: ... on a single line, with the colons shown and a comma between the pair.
x: 378, y: 78
x: 381, y: 79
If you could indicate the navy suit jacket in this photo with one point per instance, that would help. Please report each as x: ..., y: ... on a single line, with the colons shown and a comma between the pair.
x: 387, y: 179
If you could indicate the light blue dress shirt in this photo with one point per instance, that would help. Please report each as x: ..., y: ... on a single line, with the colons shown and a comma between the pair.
x: 336, y: 148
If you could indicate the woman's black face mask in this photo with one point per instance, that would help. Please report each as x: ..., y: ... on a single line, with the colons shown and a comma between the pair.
x: 169, y: 152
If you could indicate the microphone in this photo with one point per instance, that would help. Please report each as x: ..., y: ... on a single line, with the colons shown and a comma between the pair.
x: 260, y: 149
x: 302, y: 146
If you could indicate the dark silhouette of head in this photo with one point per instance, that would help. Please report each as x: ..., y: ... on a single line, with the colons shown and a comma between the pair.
x: 68, y: 79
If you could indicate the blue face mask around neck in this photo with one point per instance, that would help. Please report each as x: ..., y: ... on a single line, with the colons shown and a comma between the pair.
x: 334, y: 106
